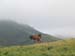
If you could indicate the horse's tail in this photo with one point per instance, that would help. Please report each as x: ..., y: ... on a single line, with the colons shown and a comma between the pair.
x: 30, y: 37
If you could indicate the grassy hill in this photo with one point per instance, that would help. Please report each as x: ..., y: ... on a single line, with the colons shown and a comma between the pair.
x: 12, y: 33
x: 58, y: 48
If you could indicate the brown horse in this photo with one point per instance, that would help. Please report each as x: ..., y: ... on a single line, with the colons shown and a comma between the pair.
x: 36, y: 38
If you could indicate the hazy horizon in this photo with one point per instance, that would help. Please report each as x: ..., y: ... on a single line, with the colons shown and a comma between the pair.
x: 56, y: 17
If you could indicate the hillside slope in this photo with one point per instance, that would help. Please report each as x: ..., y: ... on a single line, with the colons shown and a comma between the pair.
x: 58, y: 48
x: 12, y: 33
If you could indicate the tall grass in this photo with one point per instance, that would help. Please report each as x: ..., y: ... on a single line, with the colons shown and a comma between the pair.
x: 59, y: 48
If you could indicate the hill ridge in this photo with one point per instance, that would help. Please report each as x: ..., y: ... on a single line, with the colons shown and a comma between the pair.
x: 12, y: 33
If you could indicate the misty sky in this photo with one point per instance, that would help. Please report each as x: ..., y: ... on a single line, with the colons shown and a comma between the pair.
x: 48, y: 16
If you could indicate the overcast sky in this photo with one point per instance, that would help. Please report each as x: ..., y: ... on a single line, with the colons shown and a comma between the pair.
x: 49, y: 16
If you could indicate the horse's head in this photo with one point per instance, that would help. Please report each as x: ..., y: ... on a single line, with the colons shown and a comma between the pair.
x: 39, y: 35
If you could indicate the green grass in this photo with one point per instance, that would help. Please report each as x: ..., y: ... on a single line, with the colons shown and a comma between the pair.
x: 58, y: 48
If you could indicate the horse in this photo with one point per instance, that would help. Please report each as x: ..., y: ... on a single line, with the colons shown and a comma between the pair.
x: 36, y: 38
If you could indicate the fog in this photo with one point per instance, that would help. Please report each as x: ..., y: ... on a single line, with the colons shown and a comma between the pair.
x: 56, y: 17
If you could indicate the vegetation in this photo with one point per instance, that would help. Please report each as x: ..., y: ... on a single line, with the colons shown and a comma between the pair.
x: 58, y: 48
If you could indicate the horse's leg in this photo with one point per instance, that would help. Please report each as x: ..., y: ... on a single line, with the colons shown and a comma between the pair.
x: 35, y: 41
x: 38, y: 41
